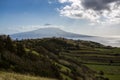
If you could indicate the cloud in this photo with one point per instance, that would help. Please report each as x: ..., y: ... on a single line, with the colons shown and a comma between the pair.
x: 96, y: 11
x: 97, y: 4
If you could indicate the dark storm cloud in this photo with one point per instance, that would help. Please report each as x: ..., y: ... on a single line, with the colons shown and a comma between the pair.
x: 98, y: 4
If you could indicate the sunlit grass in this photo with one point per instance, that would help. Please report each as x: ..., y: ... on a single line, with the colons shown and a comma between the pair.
x: 15, y: 76
x: 33, y: 52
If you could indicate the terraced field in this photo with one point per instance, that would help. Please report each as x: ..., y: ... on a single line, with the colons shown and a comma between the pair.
x: 106, y: 61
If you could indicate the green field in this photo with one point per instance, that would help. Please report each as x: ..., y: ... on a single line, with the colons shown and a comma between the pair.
x: 113, y: 77
x: 111, y: 72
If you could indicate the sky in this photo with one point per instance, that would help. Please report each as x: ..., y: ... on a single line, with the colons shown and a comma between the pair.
x: 90, y: 17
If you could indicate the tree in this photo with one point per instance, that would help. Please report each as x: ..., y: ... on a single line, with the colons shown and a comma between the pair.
x: 9, y: 44
x: 20, y: 49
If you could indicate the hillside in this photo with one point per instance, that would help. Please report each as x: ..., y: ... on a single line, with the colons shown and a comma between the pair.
x: 60, y: 58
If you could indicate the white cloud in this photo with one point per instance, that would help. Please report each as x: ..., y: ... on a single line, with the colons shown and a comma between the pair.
x: 62, y: 1
x: 97, y: 11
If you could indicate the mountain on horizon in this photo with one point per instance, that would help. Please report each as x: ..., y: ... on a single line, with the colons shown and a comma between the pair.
x: 46, y: 32
x: 56, y: 32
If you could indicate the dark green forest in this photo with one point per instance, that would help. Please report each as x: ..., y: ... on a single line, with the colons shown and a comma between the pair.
x: 60, y: 58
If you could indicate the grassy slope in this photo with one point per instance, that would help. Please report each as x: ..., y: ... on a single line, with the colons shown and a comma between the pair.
x: 89, y: 53
x: 15, y: 76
